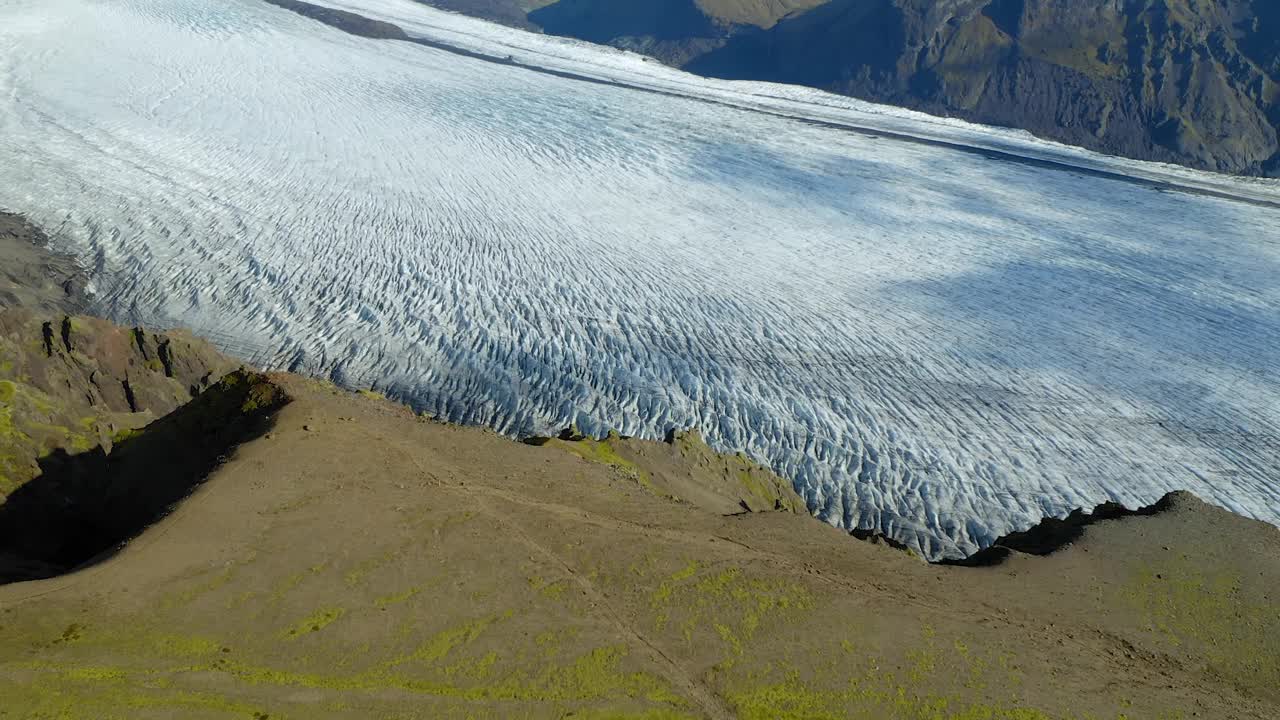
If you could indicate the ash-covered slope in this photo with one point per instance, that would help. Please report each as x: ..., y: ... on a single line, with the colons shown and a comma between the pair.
x: 930, y: 341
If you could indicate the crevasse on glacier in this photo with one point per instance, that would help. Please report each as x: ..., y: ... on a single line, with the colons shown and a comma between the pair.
x: 928, y: 341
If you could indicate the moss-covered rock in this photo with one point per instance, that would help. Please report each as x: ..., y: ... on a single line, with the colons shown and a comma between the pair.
x: 89, y: 386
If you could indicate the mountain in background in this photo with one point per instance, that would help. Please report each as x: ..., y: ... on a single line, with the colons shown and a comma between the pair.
x: 1194, y: 82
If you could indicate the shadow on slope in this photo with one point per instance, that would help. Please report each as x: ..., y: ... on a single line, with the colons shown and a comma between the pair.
x: 674, y: 31
x: 352, y: 23
x: 83, y: 507
x: 607, y: 22
x: 1053, y: 534
x: 507, y: 12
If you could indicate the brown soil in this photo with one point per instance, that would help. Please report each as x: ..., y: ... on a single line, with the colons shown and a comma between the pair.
x: 358, y: 561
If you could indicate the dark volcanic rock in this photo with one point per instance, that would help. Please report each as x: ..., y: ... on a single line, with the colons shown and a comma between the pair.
x: 1053, y: 534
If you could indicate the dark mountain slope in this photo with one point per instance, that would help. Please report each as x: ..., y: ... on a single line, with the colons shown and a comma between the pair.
x: 675, y: 30
x: 1195, y: 82
x: 507, y: 12
x: 1188, y: 81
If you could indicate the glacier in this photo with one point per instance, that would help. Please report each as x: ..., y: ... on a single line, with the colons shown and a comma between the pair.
x: 935, y: 329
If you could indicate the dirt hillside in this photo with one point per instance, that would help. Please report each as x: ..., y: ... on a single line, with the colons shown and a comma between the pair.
x: 357, y: 561
x: 282, y: 548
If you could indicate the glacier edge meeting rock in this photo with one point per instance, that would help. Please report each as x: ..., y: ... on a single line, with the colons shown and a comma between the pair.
x: 932, y: 344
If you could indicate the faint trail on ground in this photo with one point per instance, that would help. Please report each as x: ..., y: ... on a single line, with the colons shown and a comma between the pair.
x: 927, y: 342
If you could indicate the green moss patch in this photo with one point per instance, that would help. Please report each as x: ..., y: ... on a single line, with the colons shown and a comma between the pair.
x: 316, y: 622
x: 728, y: 601
x: 603, y: 452
x: 1208, y: 612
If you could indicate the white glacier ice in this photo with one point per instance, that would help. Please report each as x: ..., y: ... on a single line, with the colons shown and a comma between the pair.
x: 938, y: 343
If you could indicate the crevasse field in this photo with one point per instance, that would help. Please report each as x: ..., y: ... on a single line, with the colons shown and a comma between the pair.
x: 938, y: 343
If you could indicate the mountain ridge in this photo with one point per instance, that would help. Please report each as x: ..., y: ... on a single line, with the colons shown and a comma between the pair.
x: 1191, y: 82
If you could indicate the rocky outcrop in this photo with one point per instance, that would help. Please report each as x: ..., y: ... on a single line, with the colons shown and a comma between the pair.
x: 74, y: 382
x: 1053, y: 534
x: 79, y: 382
x: 676, y: 31
x: 78, y: 474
